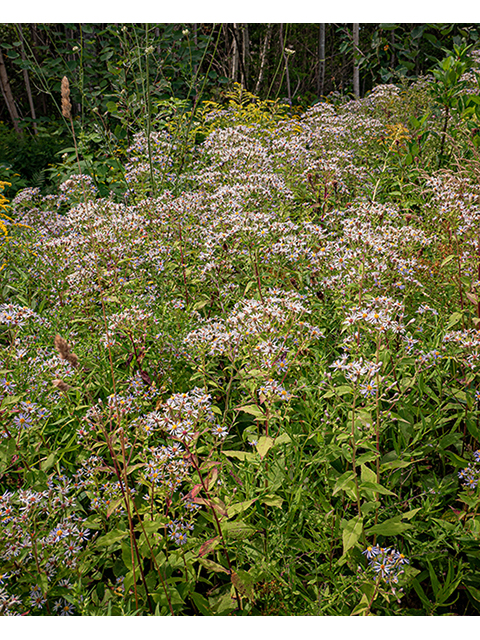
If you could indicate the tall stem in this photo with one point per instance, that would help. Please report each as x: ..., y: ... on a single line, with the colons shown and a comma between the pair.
x: 377, y: 424
x: 354, y: 450
x: 183, y: 262
x: 214, y: 513
x: 149, y: 115
x: 444, y: 135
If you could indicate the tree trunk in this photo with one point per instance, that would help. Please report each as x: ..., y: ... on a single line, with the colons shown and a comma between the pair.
x: 236, y: 54
x: 27, y: 81
x: 285, y: 60
x: 37, y: 41
x: 8, y: 96
x: 321, y: 60
x: 263, y: 57
x: 195, y: 66
x: 246, y: 54
x: 392, y: 49
x: 356, y: 69
x: 157, y: 37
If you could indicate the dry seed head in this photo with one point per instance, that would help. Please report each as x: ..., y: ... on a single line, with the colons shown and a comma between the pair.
x: 72, y: 358
x: 62, y: 346
x: 64, y: 351
x: 66, y: 104
x: 60, y: 384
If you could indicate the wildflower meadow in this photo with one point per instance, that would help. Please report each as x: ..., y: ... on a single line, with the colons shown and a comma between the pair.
x: 245, y: 380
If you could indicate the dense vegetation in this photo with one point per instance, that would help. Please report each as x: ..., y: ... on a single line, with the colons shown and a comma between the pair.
x: 116, y: 88
x: 242, y: 379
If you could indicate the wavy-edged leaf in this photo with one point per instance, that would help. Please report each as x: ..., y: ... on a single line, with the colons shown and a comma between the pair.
x: 212, y: 566
x: 208, y: 546
x: 237, y: 530
x: 272, y: 501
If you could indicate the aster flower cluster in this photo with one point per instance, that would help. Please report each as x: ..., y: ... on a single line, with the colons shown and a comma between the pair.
x: 178, y: 531
x: 125, y: 322
x: 465, y: 344
x: 470, y: 476
x: 249, y: 320
x: 78, y: 185
x: 355, y: 370
x: 273, y: 390
x: 29, y: 195
x: 385, y: 564
x: 15, y: 315
x: 183, y: 413
x: 167, y: 468
x: 38, y: 528
x: 379, y: 314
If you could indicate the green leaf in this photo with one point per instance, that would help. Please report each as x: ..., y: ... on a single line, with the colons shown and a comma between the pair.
x: 447, y: 259
x: 133, y: 467
x: 244, y: 582
x: 457, y: 461
x: 343, y: 482
x: 361, y: 607
x: 272, y: 501
x: 111, y: 538
x: 112, y: 107
x: 10, y: 400
x: 352, y: 530
x: 393, y: 526
x: 265, y: 443
x: 421, y: 594
x: 234, y: 509
x: 413, y: 122
x: 253, y: 410
x: 201, y: 603
x: 377, y: 488
x: 48, y: 463
x: 212, y: 566
x: 7, y: 450
x: 222, y: 604
x: 283, y: 439
x: 395, y: 464
x: 209, y: 545
x: 408, y: 515
x: 341, y: 390
x: 454, y: 319
x: 93, y: 522
x: 238, y: 530
x: 250, y: 284
x: 201, y: 304
x: 475, y: 593
x: 240, y: 455
x: 367, y: 475
x: 369, y: 456
x: 151, y: 526
x: 390, y: 527
x: 114, y: 504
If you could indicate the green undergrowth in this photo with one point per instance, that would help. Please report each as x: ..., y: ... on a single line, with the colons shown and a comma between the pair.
x: 249, y: 386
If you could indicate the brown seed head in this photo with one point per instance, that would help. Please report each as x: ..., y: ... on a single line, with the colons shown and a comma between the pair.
x: 60, y: 384
x: 61, y: 346
x: 64, y: 351
x: 72, y: 358
x: 66, y: 104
